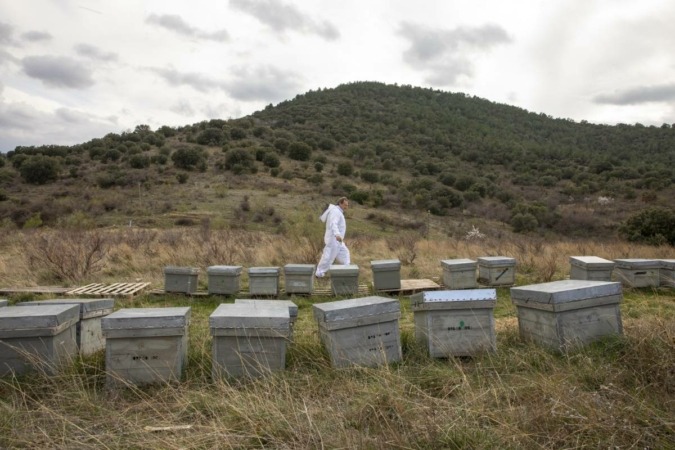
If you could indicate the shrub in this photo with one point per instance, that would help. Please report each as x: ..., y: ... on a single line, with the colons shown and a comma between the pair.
x: 239, y: 160
x: 211, y: 136
x: 522, y: 222
x: 271, y: 160
x: 188, y: 158
x: 654, y: 226
x: 139, y: 161
x: 345, y: 169
x: 237, y: 133
x: 370, y: 177
x: 182, y: 178
x: 299, y: 151
x: 39, y: 170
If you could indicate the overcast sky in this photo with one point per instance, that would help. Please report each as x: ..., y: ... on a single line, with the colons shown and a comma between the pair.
x: 73, y: 70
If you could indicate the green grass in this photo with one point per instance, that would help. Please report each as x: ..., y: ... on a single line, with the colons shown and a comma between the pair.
x: 616, y: 393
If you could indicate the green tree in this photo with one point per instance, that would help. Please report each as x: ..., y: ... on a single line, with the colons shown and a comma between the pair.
x: 188, y: 158
x: 345, y: 169
x: 299, y: 151
x: 39, y: 170
x: 653, y: 226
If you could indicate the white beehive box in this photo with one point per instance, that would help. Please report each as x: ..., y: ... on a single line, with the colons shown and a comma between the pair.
x: 637, y: 273
x: 344, y: 280
x: 386, y: 274
x: 362, y: 332
x: 455, y: 323
x: 249, y: 339
x: 496, y: 270
x: 3, y: 302
x: 263, y: 281
x: 146, y: 345
x: 667, y: 272
x: 299, y: 278
x: 590, y: 268
x: 459, y: 273
x: 88, y: 331
x: 568, y: 313
x: 224, y: 280
x: 181, y: 279
x: 41, y: 337
x: 292, y: 307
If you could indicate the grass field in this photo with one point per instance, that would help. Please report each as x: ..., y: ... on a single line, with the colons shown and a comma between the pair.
x: 617, y: 393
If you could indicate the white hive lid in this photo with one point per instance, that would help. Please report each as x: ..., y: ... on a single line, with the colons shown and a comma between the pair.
x: 173, y: 270
x: 147, y: 318
x: 303, y: 269
x: 42, y: 319
x: 497, y: 261
x: 257, y: 271
x: 89, y: 307
x: 249, y: 316
x: 458, y: 264
x: 565, y: 291
x: 357, y: 308
x: 292, y: 307
x: 224, y: 270
x: 591, y: 261
x: 637, y: 263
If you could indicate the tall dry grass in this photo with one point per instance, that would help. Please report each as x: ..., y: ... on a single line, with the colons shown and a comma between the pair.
x: 617, y: 393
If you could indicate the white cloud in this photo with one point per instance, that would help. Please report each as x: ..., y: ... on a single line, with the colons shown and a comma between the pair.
x: 58, y: 71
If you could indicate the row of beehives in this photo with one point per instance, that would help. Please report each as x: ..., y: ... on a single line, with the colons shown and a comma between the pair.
x: 299, y: 278
x: 630, y: 272
x: 250, y: 337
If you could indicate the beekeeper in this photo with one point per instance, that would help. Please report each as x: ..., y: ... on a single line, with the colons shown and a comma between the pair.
x: 334, y: 238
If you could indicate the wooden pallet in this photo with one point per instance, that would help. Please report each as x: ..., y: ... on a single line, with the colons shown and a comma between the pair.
x: 52, y: 290
x: 412, y: 286
x: 112, y: 290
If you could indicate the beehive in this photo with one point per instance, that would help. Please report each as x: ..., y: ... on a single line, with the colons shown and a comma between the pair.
x: 637, y: 273
x: 459, y: 273
x: 89, y: 335
x: 667, y: 273
x: 146, y: 345
x: 590, y: 268
x: 568, y: 313
x: 496, y: 270
x: 299, y: 278
x: 181, y: 279
x: 386, y: 274
x: 455, y: 323
x: 263, y: 281
x: 224, y: 280
x: 3, y: 302
x: 344, y: 280
x: 249, y: 339
x: 362, y: 332
x: 37, y: 337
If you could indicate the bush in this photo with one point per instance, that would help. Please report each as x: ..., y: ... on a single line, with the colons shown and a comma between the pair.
x: 299, y: 151
x: 211, y: 136
x: 654, y: 226
x: 139, y: 161
x: 345, y: 169
x: 39, y: 170
x: 239, y: 160
x: 522, y: 222
x: 188, y: 158
x: 370, y: 177
x: 271, y: 160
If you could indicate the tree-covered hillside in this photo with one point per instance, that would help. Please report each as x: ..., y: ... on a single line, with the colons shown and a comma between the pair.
x: 387, y: 147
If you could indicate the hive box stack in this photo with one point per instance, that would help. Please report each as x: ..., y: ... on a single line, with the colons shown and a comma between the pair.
x: 299, y: 278
x: 496, y: 270
x: 146, y: 345
x: 344, y: 280
x: 3, y: 302
x: 563, y: 314
x: 181, y: 279
x: 459, y: 273
x: 637, y: 273
x: 224, y: 280
x: 292, y: 307
x: 455, y: 323
x: 386, y: 274
x: 590, y: 268
x: 41, y: 337
x: 361, y: 332
x: 667, y: 272
x: 89, y: 335
x: 249, y: 339
x: 263, y: 281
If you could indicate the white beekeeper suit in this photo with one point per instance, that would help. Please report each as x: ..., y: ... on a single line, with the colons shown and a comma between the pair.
x: 335, y: 249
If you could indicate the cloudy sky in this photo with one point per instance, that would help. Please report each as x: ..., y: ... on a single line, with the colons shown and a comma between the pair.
x: 72, y: 70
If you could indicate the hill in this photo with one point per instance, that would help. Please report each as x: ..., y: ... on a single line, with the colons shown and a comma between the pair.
x: 402, y: 152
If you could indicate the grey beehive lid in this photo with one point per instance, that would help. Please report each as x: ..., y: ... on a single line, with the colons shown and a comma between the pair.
x: 385, y: 264
x: 356, y: 312
x: 458, y: 264
x: 340, y: 270
x: 43, y: 320
x: 454, y: 299
x: 89, y: 307
x: 224, y: 270
x: 637, y: 263
x: 147, y: 318
x: 250, y: 316
x: 564, y: 291
x: 292, y: 307
x: 591, y: 261
x: 262, y: 271
x: 173, y: 270
x: 496, y: 261
x: 3, y: 302
x: 667, y: 264
x: 302, y: 269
